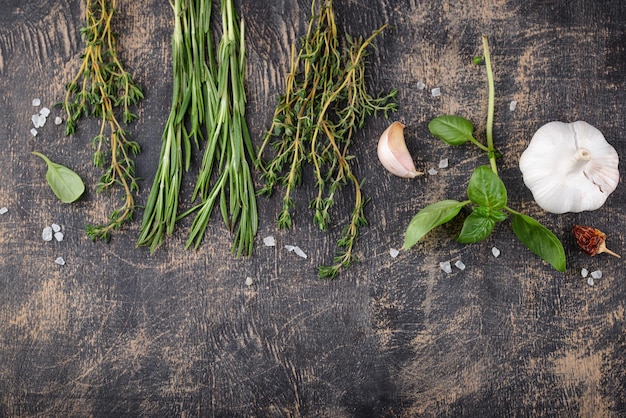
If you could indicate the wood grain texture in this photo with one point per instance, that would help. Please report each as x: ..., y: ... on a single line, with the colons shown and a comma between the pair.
x: 120, y: 332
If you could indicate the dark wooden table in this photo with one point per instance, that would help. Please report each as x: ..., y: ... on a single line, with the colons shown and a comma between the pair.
x: 117, y: 331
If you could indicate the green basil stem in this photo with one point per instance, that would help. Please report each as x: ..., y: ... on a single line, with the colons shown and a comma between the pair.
x: 490, y: 106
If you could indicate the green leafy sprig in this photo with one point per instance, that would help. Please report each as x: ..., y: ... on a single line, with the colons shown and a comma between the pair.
x: 325, y: 102
x: 102, y: 88
x: 486, y: 193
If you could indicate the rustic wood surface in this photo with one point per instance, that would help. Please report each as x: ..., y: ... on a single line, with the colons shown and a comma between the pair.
x: 119, y: 332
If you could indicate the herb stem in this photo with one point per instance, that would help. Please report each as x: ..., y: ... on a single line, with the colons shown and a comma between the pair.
x: 490, y: 106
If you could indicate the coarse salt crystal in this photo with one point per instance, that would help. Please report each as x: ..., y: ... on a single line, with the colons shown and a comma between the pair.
x: 58, y: 121
x: 584, y: 272
x: 3, y: 210
x: 35, y: 119
x: 45, y: 112
x: 299, y: 252
x: 590, y: 281
x: 460, y: 265
x: 596, y: 274
x: 445, y: 266
x: 443, y: 163
x: 58, y: 236
x: 33, y: 132
x: 55, y: 227
x: 269, y: 241
x: 420, y: 85
x: 512, y: 105
x: 436, y: 92
x: 41, y: 121
x: 60, y: 261
x: 393, y: 252
x: 249, y: 281
x: 36, y: 102
x: 290, y: 248
x: 46, y: 234
x: 432, y: 171
x: 495, y: 252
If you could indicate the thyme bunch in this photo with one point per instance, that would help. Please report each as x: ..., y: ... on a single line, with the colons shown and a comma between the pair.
x: 102, y: 88
x: 325, y: 102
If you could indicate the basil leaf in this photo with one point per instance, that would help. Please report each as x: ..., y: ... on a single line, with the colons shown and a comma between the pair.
x: 496, y: 215
x: 453, y: 130
x: 539, y: 239
x: 66, y: 184
x: 429, y: 218
x: 476, y: 228
x: 486, y: 189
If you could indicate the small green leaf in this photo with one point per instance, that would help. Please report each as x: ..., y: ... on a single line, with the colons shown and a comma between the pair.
x: 429, y: 218
x: 453, y: 130
x: 476, y: 228
x: 66, y: 184
x: 486, y: 189
x: 539, y: 239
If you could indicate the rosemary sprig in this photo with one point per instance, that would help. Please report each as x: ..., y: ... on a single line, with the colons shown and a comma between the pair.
x: 101, y: 87
x: 228, y: 143
x: 324, y: 103
x: 193, y: 103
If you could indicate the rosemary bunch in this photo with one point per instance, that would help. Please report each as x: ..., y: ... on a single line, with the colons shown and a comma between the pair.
x: 99, y: 89
x: 228, y: 144
x: 325, y: 102
x: 193, y: 105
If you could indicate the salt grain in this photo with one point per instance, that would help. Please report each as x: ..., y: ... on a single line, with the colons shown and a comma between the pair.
x: 512, y: 105
x: 432, y: 171
x: 58, y: 236
x: 584, y: 272
x: 495, y: 252
x: 46, y: 234
x: 33, y: 132
x: 269, y: 241
x: 36, y: 102
x: 249, y: 281
x: 393, y: 252
x: 60, y: 261
x: 58, y: 121
x: 445, y: 266
x: 590, y: 281
x: 35, y: 119
x: 299, y: 252
x: 596, y: 274
x: 3, y: 210
x: 41, y: 121
x: 420, y: 85
x: 290, y: 248
x: 45, y: 112
x: 436, y: 92
x: 55, y: 227
x: 443, y: 163
x: 460, y: 265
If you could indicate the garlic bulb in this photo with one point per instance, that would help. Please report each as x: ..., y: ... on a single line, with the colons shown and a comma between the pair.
x: 569, y: 167
x: 393, y: 153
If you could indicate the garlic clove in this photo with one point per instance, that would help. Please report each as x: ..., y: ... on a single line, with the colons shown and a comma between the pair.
x: 393, y: 153
x: 569, y: 167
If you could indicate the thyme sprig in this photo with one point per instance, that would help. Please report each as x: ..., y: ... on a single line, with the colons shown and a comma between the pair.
x: 325, y: 102
x: 102, y: 88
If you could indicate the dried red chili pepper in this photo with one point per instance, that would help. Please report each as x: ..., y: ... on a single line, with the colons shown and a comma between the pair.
x: 591, y: 240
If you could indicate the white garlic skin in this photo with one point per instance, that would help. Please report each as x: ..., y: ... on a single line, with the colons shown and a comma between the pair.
x: 393, y: 153
x: 569, y: 167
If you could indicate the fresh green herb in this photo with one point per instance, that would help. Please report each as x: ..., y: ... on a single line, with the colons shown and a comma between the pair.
x: 65, y: 183
x: 485, y: 191
x: 193, y: 103
x: 100, y: 88
x: 228, y: 143
x: 324, y: 103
